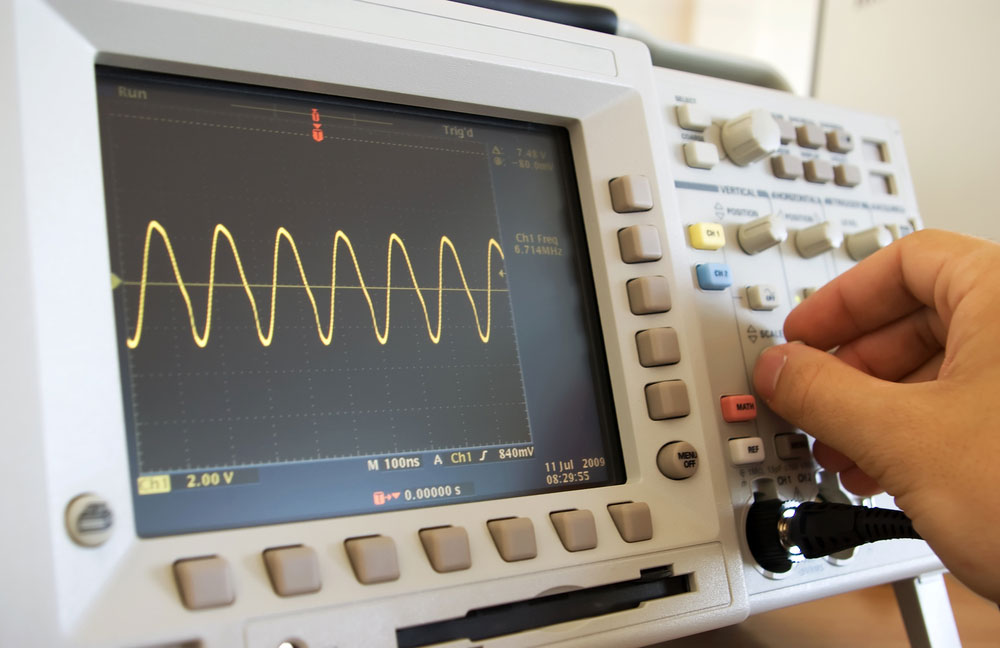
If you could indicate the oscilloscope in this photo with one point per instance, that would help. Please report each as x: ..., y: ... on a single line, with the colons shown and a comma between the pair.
x: 375, y: 322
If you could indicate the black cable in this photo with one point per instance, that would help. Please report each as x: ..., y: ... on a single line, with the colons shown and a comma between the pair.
x: 780, y: 533
x: 590, y: 17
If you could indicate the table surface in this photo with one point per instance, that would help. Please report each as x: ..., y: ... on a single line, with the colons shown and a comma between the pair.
x: 867, y: 617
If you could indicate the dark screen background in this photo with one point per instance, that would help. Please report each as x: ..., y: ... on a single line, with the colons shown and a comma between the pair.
x: 237, y: 194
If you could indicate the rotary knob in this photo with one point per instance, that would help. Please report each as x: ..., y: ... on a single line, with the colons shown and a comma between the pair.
x: 750, y: 137
x: 817, y: 239
x: 865, y: 242
x: 762, y: 233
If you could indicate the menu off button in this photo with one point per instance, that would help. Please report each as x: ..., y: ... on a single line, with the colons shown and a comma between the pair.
x: 677, y: 460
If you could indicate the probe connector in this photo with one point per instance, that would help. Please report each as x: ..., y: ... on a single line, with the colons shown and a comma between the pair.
x: 780, y: 533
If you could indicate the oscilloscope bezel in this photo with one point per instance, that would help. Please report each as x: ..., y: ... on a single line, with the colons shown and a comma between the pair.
x: 431, y: 55
x: 344, y: 482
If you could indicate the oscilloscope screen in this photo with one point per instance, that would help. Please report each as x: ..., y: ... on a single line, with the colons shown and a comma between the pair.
x: 328, y: 306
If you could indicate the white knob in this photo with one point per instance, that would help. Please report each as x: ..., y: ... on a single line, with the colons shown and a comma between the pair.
x: 750, y: 137
x: 817, y: 239
x: 861, y: 244
x: 758, y: 235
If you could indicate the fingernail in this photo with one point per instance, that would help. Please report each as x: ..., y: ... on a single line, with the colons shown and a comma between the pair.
x: 767, y: 371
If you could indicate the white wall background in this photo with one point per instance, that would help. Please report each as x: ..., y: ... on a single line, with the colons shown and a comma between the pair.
x: 781, y: 32
x: 927, y: 63
x: 931, y: 65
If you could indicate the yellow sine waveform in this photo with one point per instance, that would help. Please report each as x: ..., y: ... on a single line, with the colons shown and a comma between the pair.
x: 325, y: 334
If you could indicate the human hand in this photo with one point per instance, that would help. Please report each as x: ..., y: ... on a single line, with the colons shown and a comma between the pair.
x: 909, y: 402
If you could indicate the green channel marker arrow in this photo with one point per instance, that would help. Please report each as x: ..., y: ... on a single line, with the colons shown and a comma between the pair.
x: 115, y: 281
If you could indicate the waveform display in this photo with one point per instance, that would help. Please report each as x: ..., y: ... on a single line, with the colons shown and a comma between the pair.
x: 233, y: 210
x: 304, y: 285
x: 283, y: 240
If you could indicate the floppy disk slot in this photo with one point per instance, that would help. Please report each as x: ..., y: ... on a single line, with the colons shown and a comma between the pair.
x: 499, y: 620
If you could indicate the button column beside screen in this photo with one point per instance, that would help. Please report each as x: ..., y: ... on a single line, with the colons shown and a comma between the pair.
x: 631, y: 193
x: 677, y: 460
x: 658, y: 347
x: 667, y: 399
x: 649, y: 295
x: 640, y: 244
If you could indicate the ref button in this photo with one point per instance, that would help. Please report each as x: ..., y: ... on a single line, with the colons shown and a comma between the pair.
x: 746, y: 451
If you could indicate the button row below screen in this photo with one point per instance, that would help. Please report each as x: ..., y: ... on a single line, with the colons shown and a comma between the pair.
x: 207, y: 582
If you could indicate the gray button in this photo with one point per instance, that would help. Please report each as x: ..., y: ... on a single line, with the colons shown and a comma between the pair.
x: 701, y: 155
x: 639, y: 243
x: 810, y: 136
x: 787, y: 130
x: 667, y: 399
x: 677, y: 460
x: 576, y: 529
x: 373, y: 559
x: 293, y: 570
x: 788, y: 167
x: 658, y: 347
x: 514, y: 538
x: 847, y: 175
x: 818, y: 171
x: 204, y: 582
x: 839, y: 141
x: 762, y: 297
x: 693, y: 117
x: 882, y: 183
x: 631, y: 193
x: 447, y: 548
x: 632, y: 520
x: 647, y: 295
x: 791, y: 446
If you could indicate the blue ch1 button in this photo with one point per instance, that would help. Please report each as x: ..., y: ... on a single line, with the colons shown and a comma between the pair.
x: 714, y: 276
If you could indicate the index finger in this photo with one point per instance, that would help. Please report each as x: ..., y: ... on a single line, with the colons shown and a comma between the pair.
x: 913, y: 272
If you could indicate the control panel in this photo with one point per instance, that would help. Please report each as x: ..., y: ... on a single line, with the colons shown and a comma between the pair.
x: 447, y: 346
x: 776, y: 195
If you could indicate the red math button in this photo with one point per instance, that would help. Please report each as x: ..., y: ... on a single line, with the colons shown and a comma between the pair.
x: 739, y: 408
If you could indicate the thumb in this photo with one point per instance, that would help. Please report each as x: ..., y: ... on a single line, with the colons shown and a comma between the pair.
x: 841, y: 406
